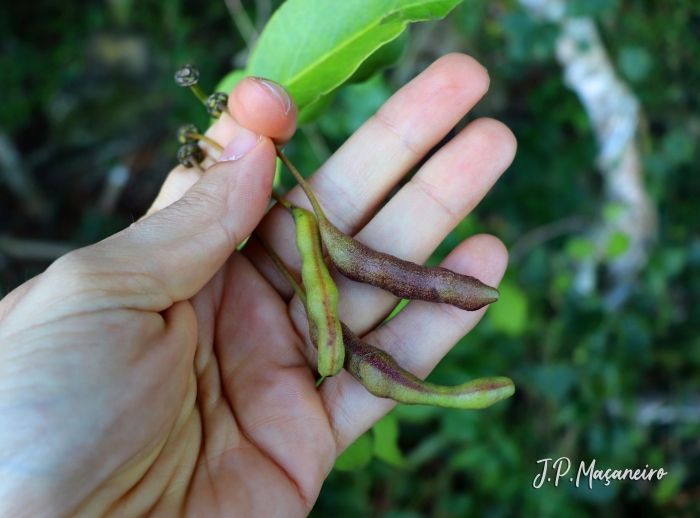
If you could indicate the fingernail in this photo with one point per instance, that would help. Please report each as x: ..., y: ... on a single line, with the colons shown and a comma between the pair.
x: 242, y: 142
x: 278, y: 91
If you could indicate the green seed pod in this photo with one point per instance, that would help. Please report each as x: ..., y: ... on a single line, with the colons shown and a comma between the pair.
x: 383, y: 377
x: 189, y: 153
x: 184, y: 130
x: 187, y: 75
x: 217, y: 103
x: 322, y: 294
x: 404, y: 279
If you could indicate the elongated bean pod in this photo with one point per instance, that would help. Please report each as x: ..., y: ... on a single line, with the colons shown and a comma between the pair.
x: 322, y: 294
x: 402, y: 278
x: 382, y: 376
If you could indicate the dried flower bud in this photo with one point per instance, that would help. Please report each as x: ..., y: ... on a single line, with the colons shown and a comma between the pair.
x: 187, y: 75
x: 190, y: 152
x: 216, y: 104
x: 182, y: 133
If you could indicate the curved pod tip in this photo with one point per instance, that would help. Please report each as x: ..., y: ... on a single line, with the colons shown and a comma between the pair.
x: 484, y: 392
x: 494, y: 293
x: 481, y: 297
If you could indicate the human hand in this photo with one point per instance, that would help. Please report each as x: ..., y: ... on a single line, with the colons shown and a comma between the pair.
x: 161, y: 371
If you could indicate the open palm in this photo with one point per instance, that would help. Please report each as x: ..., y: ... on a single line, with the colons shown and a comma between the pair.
x: 162, y: 372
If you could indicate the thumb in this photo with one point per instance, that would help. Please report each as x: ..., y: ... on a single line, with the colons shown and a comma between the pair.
x: 170, y: 255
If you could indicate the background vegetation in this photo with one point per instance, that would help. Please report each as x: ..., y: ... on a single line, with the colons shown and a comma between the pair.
x: 89, y: 105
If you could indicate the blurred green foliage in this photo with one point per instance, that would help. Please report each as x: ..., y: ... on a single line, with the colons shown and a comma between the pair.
x: 586, y: 377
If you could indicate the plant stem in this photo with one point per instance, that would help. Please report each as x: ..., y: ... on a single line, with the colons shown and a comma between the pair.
x: 203, y: 98
x: 278, y: 262
x: 197, y: 91
x: 206, y: 139
x: 196, y: 165
x: 282, y: 201
x: 305, y: 187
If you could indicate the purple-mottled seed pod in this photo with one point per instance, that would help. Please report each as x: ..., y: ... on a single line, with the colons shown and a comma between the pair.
x: 401, y: 278
x: 383, y: 377
x: 404, y: 279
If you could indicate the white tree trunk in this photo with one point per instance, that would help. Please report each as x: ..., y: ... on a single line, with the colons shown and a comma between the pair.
x: 614, y: 114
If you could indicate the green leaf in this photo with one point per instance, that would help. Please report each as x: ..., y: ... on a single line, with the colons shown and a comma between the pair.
x: 354, y: 105
x: 613, y: 211
x: 386, y: 56
x: 357, y: 455
x: 509, y: 314
x: 314, y: 110
x: 386, y: 441
x: 667, y: 488
x: 579, y: 247
x: 402, y: 304
x: 617, y: 245
x: 312, y: 63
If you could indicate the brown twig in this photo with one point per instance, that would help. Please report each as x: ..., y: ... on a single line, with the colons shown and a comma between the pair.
x: 211, y: 142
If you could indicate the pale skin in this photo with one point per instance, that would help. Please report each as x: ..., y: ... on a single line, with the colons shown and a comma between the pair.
x: 160, y: 372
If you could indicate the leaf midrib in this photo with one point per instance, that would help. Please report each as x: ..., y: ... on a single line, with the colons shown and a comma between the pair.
x: 347, y: 42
